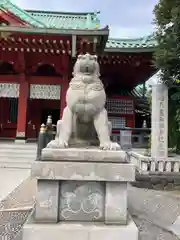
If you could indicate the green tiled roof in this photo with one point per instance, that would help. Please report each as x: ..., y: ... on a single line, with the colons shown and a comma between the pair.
x: 64, y: 20
x: 145, y: 42
x: 18, y: 12
x: 75, y: 21
x: 58, y: 20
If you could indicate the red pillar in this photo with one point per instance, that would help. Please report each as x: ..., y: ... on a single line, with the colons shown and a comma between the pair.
x: 64, y: 89
x: 22, y: 108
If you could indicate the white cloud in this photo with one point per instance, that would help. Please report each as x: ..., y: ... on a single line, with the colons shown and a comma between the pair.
x: 121, y: 32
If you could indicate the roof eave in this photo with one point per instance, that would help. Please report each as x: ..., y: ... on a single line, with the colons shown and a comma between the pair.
x: 135, y: 50
x: 57, y: 12
x: 28, y: 30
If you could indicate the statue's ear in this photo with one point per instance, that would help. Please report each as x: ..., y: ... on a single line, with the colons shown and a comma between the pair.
x: 79, y: 56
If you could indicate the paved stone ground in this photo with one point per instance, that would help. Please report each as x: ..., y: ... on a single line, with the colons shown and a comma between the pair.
x: 11, y: 223
x: 153, y: 212
x: 15, y: 208
x: 10, y: 179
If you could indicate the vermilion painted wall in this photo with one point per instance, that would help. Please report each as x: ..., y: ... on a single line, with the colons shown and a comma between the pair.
x: 35, y: 107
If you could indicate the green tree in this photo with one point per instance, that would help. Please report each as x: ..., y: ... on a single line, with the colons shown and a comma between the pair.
x: 167, y: 58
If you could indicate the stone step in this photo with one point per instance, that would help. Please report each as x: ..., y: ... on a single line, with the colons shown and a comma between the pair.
x: 23, y: 151
x: 15, y: 164
x: 18, y: 146
x: 14, y: 151
x: 17, y: 158
x: 17, y: 153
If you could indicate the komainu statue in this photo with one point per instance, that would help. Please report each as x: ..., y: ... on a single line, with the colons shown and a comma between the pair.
x: 85, y: 117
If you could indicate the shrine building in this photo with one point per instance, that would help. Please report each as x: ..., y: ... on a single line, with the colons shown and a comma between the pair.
x: 37, y: 52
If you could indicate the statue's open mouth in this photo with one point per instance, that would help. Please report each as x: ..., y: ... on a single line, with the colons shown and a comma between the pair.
x: 87, y: 70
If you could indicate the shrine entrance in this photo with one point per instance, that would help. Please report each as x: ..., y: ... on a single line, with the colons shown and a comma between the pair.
x: 44, y: 101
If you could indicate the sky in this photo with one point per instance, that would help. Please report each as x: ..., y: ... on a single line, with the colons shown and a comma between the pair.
x: 126, y: 18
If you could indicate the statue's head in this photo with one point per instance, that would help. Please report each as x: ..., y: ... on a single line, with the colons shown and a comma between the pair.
x: 87, y: 65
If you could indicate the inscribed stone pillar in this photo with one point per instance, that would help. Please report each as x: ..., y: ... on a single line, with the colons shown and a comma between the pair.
x: 22, y: 108
x: 159, y: 122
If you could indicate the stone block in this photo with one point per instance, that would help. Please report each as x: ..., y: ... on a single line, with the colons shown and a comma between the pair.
x: 80, y: 231
x: 129, y: 232
x: 82, y: 201
x: 89, y: 171
x: 82, y: 154
x: 47, y: 197
x: 116, y: 203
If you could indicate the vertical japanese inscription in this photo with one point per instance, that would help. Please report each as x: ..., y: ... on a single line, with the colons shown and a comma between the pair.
x: 159, y: 122
x: 161, y: 125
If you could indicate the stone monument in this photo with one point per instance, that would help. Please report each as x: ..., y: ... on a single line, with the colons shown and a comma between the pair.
x: 82, y: 175
x: 159, y: 122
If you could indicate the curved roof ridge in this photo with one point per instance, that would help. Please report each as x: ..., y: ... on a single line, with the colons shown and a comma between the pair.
x: 23, y: 15
x: 61, y: 12
x: 147, y: 38
x: 67, y: 20
x: 146, y: 42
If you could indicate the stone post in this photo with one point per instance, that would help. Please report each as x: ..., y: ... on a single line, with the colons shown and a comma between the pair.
x: 159, y: 122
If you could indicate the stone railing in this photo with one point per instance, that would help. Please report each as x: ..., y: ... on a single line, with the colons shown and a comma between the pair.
x: 151, y: 165
x: 139, y: 136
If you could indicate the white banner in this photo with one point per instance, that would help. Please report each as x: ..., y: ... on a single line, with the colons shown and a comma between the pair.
x: 9, y: 90
x: 40, y: 91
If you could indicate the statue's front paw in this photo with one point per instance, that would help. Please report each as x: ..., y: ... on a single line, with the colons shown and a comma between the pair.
x: 52, y: 144
x: 113, y: 146
x: 62, y: 143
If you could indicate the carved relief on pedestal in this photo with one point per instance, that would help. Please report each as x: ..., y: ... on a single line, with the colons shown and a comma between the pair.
x: 81, y: 201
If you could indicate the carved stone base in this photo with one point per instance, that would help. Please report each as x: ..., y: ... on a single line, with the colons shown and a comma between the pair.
x: 82, y: 201
x: 82, y: 191
x: 80, y: 231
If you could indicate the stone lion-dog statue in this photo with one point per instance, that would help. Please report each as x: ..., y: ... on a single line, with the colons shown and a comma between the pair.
x: 85, y: 116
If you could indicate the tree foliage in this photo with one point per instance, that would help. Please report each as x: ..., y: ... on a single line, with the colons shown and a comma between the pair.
x: 167, y: 58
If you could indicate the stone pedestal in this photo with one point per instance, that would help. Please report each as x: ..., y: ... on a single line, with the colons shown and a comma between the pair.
x: 81, y: 193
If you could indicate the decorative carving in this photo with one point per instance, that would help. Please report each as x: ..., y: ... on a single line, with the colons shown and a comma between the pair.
x: 81, y: 201
x: 85, y: 114
x: 40, y: 91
